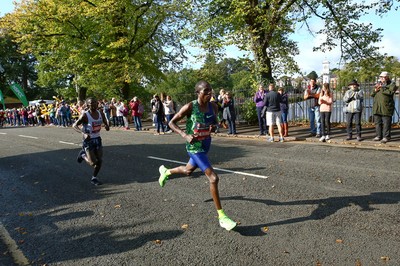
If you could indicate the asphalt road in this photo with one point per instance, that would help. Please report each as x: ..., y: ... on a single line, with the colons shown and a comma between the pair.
x: 297, y: 203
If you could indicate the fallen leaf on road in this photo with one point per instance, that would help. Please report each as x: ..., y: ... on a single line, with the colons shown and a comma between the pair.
x: 358, y: 262
x: 340, y: 241
x: 184, y: 226
x: 157, y: 241
x: 339, y: 180
x: 117, y: 206
x: 265, y: 229
x: 385, y: 258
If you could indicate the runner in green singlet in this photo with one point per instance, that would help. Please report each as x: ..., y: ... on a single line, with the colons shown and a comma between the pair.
x: 201, y: 117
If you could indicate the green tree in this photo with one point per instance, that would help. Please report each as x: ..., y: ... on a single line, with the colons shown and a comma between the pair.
x: 19, y: 68
x: 103, y: 45
x: 264, y: 27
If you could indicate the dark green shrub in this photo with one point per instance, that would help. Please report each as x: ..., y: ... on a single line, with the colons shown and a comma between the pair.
x: 248, y: 112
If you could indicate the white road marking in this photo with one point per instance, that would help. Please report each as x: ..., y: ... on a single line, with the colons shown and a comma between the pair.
x: 68, y: 143
x: 219, y: 169
x: 2, y: 133
x: 29, y: 137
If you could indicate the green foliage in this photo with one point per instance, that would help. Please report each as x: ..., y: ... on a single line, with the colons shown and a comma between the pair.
x: 248, y: 111
x: 105, y: 45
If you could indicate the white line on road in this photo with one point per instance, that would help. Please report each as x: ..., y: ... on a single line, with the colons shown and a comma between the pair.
x: 2, y: 133
x: 69, y: 143
x: 219, y: 169
x: 29, y: 137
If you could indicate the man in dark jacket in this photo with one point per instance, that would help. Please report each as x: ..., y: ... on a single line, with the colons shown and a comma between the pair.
x: 272, y: 101
x: 383, y: 107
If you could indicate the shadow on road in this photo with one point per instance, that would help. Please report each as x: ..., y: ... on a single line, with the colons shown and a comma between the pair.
x: 325, y: 208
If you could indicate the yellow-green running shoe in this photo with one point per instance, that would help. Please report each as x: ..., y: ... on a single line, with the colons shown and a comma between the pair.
x: 227, y: 223
x: 163, y: 175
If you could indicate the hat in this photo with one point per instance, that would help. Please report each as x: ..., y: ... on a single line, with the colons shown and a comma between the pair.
x: 353, y: 82
x: 135, y: 98
x: 384, y: 74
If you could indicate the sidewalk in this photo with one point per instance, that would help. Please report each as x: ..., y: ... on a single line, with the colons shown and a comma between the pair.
x: 298, y: 132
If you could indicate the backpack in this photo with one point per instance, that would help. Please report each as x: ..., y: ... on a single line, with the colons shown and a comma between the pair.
x: 140, y: 108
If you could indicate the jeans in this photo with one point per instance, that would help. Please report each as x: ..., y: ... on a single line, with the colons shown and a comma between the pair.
x: 357, y: 121
x: 325, y: 123
x: 383, y: 124
x: 284, y: 115
x: 169, y: 117
x: 232, y: 126
x: 138, y: 122
x: 315, y: 118
x: 261, y: 121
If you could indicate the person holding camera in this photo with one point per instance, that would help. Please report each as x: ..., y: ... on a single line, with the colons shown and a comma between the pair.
x: 311, y: 95
x: 229, y: 113
x: 353, y: 98
x: 383, y: 107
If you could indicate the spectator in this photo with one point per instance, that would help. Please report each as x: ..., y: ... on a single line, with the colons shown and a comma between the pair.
x: 311, y: 95
x: 120, y: 114
x: 383, y: 107
x: 137, y: 112
x: 113, y: 112
x: 170, y: 110
x: 125, y: 114
x: 228, y: 113
x: 220, y: 109
x: 152, y: 103
x: 353, y: 99
x: 158, y: 110
x: 284, y: 111
x: 325, y: 101
x: 259, y: 101
x: 272, y: 102
x: 214, y: 99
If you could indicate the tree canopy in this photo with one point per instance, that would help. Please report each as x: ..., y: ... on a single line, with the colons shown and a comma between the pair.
x: 99, y: 44
x: 264, y: 27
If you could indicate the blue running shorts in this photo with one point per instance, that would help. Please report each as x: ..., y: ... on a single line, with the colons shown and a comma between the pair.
x: 200, y: 160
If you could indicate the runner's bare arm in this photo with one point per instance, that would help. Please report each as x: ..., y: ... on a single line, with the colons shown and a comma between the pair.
x: 82, y: 119
x: 185, y: 111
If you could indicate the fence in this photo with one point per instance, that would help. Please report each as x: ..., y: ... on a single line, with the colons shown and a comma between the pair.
x: 298, y: 108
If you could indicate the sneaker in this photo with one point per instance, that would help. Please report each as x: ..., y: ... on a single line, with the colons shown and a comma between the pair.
x: 322, y: 139
x: 377, y: 139
x: 349, y: 138
x: 96, y: 182
x: 281, y: 139
x: 318, y: 136
x: 79, y: 159
x: 227, y: 223
x: 270, y: 139
x: 163, y: 175
x: 360, y: 139
x: 327, y: 137
x: 384, y: 140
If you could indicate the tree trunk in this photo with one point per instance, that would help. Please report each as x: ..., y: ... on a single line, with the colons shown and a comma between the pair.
x: 81, y: 92
x: 263, y: 62
x: 125, y: 91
